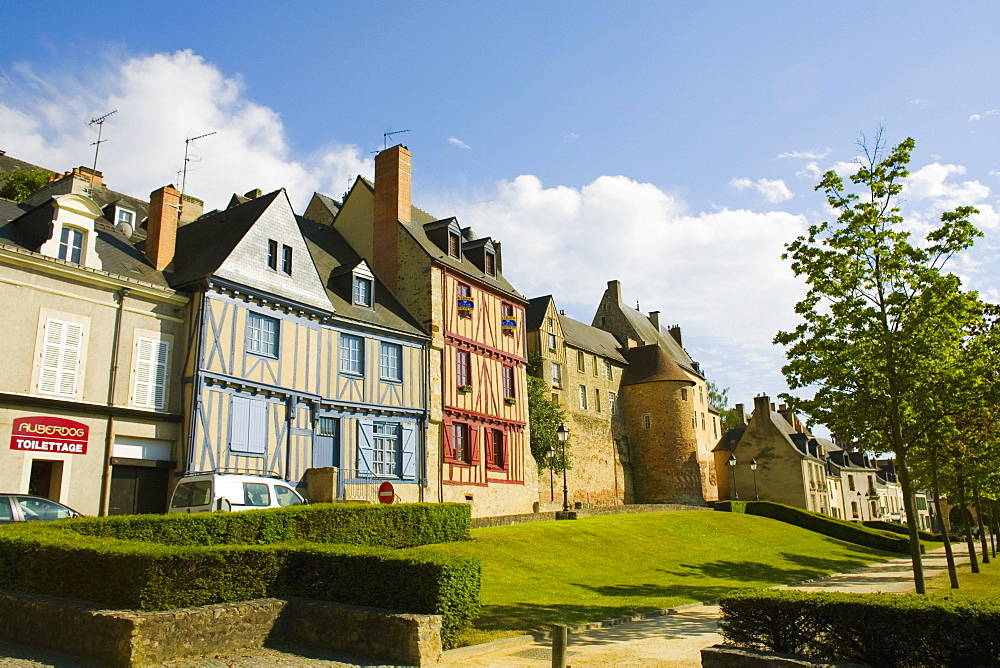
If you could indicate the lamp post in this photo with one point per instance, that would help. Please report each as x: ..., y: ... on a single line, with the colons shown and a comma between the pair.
x: 732, y: 477
x: 562, y: 433
x: 753, y: 468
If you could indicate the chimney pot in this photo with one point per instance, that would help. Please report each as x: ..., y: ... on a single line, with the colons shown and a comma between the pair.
x: 161, y: 228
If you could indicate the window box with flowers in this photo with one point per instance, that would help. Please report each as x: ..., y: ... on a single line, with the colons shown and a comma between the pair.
x: 465, y: 389
x: 510, y: 401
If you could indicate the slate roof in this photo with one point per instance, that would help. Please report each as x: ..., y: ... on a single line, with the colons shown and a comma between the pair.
x: 650, y: 334
x: 730, y: 440
x: 203, y: 245
x: 590, y: 338
x: 333, y: 256
x: 419, y: 218
x: 535, y: 312
x: 7, y: 163
x: 648, y: 364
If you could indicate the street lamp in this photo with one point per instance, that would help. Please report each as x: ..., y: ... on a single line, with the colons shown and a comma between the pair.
x: 753, y: 467
x: 562, y: 433
x: 732, y: 477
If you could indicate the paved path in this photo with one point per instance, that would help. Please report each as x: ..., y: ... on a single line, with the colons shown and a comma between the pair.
x: 671, y: 640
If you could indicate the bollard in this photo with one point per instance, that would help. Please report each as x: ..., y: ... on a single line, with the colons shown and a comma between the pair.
x: 560, y: 639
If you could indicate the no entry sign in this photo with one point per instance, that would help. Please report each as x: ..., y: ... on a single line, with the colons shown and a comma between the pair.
x: 49, y: 434
x: 386, y: 493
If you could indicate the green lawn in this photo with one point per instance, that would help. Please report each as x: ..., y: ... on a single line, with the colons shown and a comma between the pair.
x: 984, y: 583
x: 607, y: 566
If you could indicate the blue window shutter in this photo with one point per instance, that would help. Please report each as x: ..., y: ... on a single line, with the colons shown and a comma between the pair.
x: 409, y: 468
x: 366, y: 448
x: 239, y: 424
x: 258, y: 427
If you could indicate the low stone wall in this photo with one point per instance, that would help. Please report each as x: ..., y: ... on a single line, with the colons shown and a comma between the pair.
x: 506, y: 520
x: 135, y: 638
x: 729, y: 656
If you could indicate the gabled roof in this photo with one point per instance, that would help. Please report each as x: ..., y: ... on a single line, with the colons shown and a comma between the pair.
x: 334, y: 257
x: 203, y: 245
x: 730, y: 440
x: 579, y: 335
x: 651, y: 334
x: 535, y: 312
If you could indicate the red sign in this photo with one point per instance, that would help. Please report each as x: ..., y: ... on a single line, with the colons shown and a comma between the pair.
x: 49, y: 434
x: 386, y: 494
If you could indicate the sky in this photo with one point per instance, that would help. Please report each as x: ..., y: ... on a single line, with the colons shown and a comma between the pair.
x: 672, y: 146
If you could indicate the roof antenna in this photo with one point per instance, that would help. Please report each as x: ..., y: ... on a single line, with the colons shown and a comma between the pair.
x: 388, y: 133
x: 97, y: 144
x: 637, y: 306
x: 184, y: 172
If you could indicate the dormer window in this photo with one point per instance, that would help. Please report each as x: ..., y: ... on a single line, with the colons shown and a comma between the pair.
x: 125, y: 217
x: 71, y: 244
x: 362, y: 291
x: 490, y: 262
x: 454, y: 245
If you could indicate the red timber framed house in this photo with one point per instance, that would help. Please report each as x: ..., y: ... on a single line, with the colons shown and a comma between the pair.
x: 451, y: 281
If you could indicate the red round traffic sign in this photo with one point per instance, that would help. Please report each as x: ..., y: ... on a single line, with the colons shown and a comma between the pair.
x: 386, y: 493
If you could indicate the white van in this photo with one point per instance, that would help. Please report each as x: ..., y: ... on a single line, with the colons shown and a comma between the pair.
x: 205, y: 492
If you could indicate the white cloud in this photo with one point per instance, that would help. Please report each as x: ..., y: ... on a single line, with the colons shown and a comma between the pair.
x: 979, y: 117
x: 919, y: 102
x: 459, y: 143
x: 773, y: 191
x: 930, y: 183
x: 161, y: 100
x: 569, y: 242
x: 807, y: 155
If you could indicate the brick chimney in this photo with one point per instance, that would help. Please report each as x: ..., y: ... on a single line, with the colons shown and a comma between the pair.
x: 161, y: 229
x: 654, y: 317
x: 191, y: 209
x: 392, y: 206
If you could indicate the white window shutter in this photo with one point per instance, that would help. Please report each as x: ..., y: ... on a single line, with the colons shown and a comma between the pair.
x: 150, y: 387
x: 61, y: 348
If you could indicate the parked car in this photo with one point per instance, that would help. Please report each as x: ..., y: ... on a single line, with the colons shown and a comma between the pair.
x: 205, y: 492
x: 28, y: 508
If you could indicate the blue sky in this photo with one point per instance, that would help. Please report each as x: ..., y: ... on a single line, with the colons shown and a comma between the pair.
x: 673, y: 146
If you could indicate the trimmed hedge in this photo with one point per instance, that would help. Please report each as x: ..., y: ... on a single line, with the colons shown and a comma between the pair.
x: 731, y: 506
x: 383, y: 525
x: 872, y: 629
x: 851, y: 532
x: 901, y: 529
x: 150, y: 576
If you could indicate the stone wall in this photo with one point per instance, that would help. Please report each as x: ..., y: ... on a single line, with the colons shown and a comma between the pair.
x: 134, y: 638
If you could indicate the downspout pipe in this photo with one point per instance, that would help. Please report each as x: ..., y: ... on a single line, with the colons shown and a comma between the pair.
x: 109, y: 436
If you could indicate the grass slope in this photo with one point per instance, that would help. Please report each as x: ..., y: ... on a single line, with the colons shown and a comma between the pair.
x: 607, y: 566
x: 984, y: 583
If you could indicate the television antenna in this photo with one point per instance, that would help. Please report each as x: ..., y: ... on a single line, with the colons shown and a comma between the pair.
x: 187, y: 159
x: 97, y: 144
x: 388, y: 133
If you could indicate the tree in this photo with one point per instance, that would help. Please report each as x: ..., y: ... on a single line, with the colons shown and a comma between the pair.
x: 18, y: 184
x: 718, y: 398
x: 544, y: 417
x: 881, y: 321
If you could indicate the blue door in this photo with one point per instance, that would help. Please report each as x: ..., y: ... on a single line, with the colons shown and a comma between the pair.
x: 326, y: 444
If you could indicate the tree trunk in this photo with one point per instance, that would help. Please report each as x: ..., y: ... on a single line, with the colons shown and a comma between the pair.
x: 982, y: 528
x: 965, y: 523
x: 995, y: 530
x: 909, y: 506
x: 949, y: 555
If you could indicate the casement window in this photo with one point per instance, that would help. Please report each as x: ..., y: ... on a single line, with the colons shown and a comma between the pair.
x: 703, y: 422
x: 352, y: 354
x: 608, y: 373
x: 463, y: 368
x: 248, y: 425
x: 454, y: 245
x: 387, y: 450
x: 694, y: 419
x: 460, y: 446
x: 496, y: 454
x: 557, y: 377
x: 854, y: 509
x: 612, y: 403
x: 71, y: 244
x: 583, y: 397
x: 647, y: 423
x: 465, y: 302
x: 581, y: 361
x: 362, y: 291
x: 597, y: 401
x: 390, y: 361
x: 684, y: 394
x: 850, y: 483
x: 552, y: 343
x: 272, y: 254
x: 149, y: 389
x: 508, y: 383
x: 125, y: 217
x: 508, y: 323
x: 715, y: 427
x: 61, y: 350
x: 286, y: 259
x: 701, y: 394
x: 550, y: 323
x: 490, y: 263
x: 262, y: 335
x: 594, y: 360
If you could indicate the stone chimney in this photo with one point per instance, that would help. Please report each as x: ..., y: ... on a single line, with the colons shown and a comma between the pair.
x: 675, y: 332
x: 761, y: 405
x: 654, y: 317
x: 392, y: 206
x: 191, y: 209
x: 615, y: 290
x: 253, y: 194
x: 741, y: 415
x: 161, y: 229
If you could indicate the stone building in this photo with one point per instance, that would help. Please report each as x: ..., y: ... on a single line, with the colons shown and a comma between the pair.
x: 584, y: 368
x: 451, y: 281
